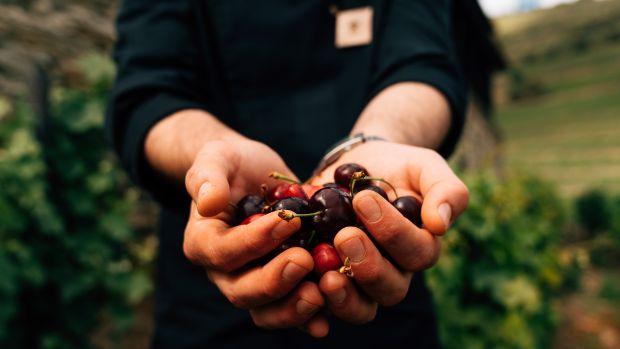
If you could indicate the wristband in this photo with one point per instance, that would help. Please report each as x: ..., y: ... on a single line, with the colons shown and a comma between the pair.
x: 343, y: 146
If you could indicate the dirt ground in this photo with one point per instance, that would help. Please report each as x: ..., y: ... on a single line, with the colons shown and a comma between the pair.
x: 590, y: 318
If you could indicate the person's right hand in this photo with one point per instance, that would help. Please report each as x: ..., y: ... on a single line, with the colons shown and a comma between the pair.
x: 222, y: 173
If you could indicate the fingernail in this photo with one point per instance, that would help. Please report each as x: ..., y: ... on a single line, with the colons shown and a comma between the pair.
x: 338, y: 297
x: 204, y: 189
x: 293, y: 272
x: 282, y: 230
x: 354, y: 249
x: 305, y: 308
x: 369, y: 208
x: 445, y: 212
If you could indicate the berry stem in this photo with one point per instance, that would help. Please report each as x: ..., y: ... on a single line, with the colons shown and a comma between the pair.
x: 366, y: 178
x: 384, y: 181
x: 312, y: 234
x: 287, y: 215
x: 346, y: 268
x: 354, y: 178
x: 283, y: 177
x: 263, y: 190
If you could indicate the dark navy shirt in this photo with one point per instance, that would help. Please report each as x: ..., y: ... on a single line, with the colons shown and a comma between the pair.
x: 270, y: 70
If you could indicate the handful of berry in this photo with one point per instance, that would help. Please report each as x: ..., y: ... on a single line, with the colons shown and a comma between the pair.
x: 323, y: 210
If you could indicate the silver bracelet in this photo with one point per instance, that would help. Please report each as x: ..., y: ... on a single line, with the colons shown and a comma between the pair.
x: 343, y: 146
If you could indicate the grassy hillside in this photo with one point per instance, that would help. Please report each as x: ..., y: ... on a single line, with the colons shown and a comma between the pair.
x: 567, y: 126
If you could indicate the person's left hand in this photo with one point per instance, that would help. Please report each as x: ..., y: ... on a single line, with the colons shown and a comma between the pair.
x: 413, y: 171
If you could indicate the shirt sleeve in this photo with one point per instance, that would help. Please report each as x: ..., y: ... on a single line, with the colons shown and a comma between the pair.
x: 157, y: 74
x: 416, y: 44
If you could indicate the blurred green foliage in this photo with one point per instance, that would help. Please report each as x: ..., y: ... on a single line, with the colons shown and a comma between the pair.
x: 501, y: 266
x: 67, y: 251
x: 615, y: 221
x: 522, y: 86
x: 598, y: 217
x: 594, y: 211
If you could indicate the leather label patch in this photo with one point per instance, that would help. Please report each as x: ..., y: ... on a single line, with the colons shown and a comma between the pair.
x: 354, y: 27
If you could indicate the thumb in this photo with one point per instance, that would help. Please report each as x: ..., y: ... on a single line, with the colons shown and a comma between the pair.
x: 444, y: 201
x: 207, y: 181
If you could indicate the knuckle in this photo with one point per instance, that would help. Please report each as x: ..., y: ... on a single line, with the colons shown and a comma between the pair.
x: 395, y: 297
x: 433, y: 258
x: 463, y: 192
x: 425, y: 258
x: 260, y: 321
x: 459, y: 188
x: 237, y: 301
x: 371, y: 274
x: 410, y: 263
x: 190, y: 176
x: 253, y: 243
x: 191, y: 252
x: 220, y: 147
x: 272, y: 290
x: 215, y: 260
x: 432, y: 154
x: 365, y: 316
x: 389, y: 233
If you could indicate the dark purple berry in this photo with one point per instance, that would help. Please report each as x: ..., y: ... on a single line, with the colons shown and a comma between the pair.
x: 249, y: 205
x: 374, y: 188
x: 342, y: 175
x: 336, y: 212
x: 336, y: 186
x: 410, y: 208
x: 294, y: 204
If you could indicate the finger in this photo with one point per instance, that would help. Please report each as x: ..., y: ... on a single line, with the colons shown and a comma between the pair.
x: 261, y: 285
x: 445, y: 196
x: 414, y: 249
x: 292, y: 311
x: 211, y: 243
x: 207, y: 181
x: 345, y: 301
x: 373, y: 273
x: 317, y: 327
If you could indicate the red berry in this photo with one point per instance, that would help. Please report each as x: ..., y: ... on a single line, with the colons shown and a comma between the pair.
x: 252, y: 218
x: 286, y: 190
x: 310, y: 189
x: 325, y: 258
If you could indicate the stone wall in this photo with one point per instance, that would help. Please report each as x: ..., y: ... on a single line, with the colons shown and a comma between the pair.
x: 50, y: 34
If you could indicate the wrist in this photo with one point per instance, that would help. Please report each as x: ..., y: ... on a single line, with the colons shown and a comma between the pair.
x: 173, y: 143
x: 386, y: 133
x: 408, y: 113
x: 343, y: 146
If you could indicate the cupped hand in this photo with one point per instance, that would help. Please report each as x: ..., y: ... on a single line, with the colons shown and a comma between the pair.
x: 275, y: 295
x: 385, y: 279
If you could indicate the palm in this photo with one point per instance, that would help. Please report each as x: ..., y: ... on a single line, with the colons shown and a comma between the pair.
x: 256, y: 162
x: 385, y: 160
